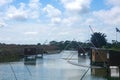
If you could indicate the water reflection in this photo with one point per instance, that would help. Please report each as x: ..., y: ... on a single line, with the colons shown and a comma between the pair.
x: 103, y: 72
x: 30, y: 62
x: 100, y: 72
x: 114, y: 71
x: 50, y: 67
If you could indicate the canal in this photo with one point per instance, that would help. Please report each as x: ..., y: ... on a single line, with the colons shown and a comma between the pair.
x: 63, y: 66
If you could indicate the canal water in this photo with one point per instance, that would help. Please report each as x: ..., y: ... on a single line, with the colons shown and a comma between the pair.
x: 63, y: 66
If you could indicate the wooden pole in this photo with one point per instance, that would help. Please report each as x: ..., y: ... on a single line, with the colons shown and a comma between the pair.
x: 116, y: 36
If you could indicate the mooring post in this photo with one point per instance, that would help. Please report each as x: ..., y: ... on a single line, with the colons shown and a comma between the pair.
x: 108, y: 68
x: 108, y: 71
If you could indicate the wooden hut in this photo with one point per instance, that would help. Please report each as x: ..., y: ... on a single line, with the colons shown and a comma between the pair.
x: 82, y: 51
x: 105, y: 59
x: 99, y: 56
x: 30, y: 51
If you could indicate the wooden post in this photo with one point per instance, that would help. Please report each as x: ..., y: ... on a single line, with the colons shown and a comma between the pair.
x: 90, y: 56
x: 108, y: 71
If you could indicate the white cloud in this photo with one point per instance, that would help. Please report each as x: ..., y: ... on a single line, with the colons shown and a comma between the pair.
x: 2, y: 24
x: 89, y: 21
x: 111, y: 16
x: 24, y: 11
x: 69, y: 21
x: 17, y: 14
x: 63, y: 33
x: 57, y: 17
x: 29, y: 30
x: 53, y: 13
x: 4, y: 2
x: 34, y: 4
x: 56, y: 20
x: 74, y: 11
x: 76, y: 6
x: 34, y: 9
x: 31, y: 33
x: 113, y: 2
x: 105, y: 20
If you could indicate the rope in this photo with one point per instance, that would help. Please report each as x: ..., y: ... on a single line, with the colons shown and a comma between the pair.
x: 13, y: 71
x: 70, y: 57
x: 28, y: 70
x: 73, y: 54
x: 81, y: 47
x: 65, y: 48
x: 84, y: 74
x: 93, y: 33
x: 95, y: 47
x: 85, y: 66
x: 77, y: 64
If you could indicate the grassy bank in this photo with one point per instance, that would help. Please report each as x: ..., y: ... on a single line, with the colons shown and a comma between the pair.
x: 10, y: 53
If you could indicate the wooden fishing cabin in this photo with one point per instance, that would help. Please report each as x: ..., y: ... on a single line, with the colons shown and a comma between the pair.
x: 100, y: 56
x: 105, y: 59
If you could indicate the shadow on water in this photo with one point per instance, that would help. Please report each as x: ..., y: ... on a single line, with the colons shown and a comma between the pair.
x: 102, y: 72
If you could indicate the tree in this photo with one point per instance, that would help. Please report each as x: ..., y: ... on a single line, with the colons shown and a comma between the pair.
x: 39, y: 44
x: 98, y: 39
x: 53, y: 43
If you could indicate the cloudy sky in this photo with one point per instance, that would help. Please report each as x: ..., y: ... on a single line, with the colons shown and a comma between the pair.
x: 35, y: 21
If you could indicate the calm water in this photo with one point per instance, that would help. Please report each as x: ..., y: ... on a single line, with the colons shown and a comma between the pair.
x: 51, y: 67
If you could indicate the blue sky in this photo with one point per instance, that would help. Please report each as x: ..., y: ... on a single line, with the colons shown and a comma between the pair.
x: 35, y: 21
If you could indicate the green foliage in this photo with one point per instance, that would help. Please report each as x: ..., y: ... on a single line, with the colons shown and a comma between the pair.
x: 98, y: 39
x: 68, y: 45
x: 113, y: 46
x: 38, y: 44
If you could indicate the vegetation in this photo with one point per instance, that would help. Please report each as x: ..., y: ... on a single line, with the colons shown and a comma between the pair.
x: 10, y: 53
x: 13, y: 52
x: 99, y: 39
x: 68, y: 45
x: 113, y: 46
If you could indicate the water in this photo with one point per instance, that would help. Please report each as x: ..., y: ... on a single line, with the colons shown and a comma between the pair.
x: 51, y: 67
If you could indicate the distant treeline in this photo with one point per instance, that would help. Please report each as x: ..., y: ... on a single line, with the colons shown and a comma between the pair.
x: 63, y: 45
x: 68, y: 45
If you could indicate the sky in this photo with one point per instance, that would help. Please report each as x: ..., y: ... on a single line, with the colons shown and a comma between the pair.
x: 35, y: 21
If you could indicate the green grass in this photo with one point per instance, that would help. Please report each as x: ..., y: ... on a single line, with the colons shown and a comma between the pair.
x: 115, y: 49
x: 10, y: 53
